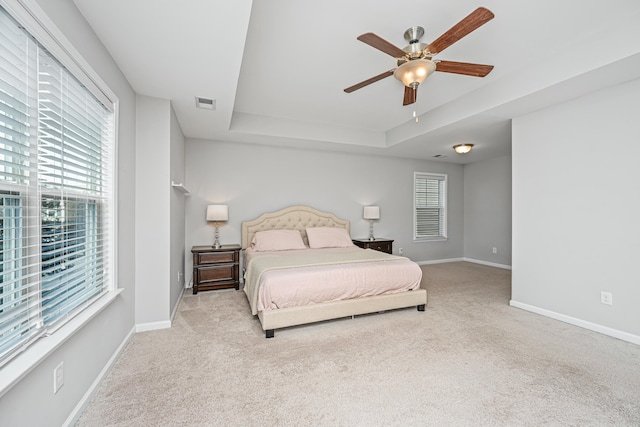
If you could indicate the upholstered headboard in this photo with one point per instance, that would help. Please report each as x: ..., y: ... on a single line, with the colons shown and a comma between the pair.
x: 291, y: 218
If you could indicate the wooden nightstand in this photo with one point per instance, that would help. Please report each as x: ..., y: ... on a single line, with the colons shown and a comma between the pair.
x: 216, y: 268
x: 382, y: 245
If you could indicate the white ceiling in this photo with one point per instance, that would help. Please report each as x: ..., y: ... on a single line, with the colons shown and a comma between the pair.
x: 277, y: 68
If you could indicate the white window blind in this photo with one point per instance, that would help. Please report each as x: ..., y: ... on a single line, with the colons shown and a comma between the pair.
x: 430, y: 206
x: 56, y: 148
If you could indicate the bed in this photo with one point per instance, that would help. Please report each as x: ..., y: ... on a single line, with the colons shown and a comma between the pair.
x: 292, y: 280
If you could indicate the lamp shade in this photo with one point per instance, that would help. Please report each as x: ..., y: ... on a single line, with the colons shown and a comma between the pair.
x: 371, y: 212
x: 414, y: 72
x: 217, y: 213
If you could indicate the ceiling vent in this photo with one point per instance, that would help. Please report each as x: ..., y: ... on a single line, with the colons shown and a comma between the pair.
x: 439, y: 156
x: 206, y: 103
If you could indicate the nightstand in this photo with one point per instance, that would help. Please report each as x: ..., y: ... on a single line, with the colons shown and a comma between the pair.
x: 216, y: 268
x: 379, y: 244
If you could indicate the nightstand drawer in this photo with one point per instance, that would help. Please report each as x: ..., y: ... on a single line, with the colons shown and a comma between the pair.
x: 381, y: 246
x: 216, y: 274
x: 216, y: 257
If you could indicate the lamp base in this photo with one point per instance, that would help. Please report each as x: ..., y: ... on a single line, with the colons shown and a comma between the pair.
x: 371, y: 238
x: 216, y: 242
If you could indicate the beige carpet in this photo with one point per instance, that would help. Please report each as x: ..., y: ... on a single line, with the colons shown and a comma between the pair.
x: 469, y: 359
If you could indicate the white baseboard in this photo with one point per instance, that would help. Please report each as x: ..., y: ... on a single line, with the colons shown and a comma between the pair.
x: 175, y: 308
x: 439, y: 261
x: 490, y: 264
x: 475, y: 261
x: 163, y: 324
x: 79, y: 409
x: 625, y: 336
x: 152, y: 326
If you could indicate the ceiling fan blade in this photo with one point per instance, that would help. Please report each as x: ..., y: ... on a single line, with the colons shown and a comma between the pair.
x: 369, y: 81
x: 382, y: 45
x: 473, y: 21
x: 410, y: 95
x: 466, y: 68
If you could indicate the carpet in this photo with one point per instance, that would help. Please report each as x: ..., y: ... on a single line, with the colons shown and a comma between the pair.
x: 469, y: 360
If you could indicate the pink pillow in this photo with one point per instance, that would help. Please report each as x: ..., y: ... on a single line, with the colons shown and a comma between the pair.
x: 328, y: 237
x: 277, y: 240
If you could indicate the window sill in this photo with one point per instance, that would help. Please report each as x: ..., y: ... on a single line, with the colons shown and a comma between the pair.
x: 25, y: 362
x: 430, y: 239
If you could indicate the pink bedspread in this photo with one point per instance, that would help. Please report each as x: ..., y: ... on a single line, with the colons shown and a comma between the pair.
x: 292, y: 280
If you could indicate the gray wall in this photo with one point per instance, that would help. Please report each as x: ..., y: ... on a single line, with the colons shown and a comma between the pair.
x: 176, y: 221
x: 252, y: 179
x: 576, y: 206
x: 153, y: 190
x: 86, y: 353
x: 487, y: 211
x: 160, y: 213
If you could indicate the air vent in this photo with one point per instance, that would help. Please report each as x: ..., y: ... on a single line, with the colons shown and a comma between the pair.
x: 440, y: 156
x: 206, y: 103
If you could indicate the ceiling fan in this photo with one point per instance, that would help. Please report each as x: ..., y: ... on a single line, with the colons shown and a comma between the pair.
x: 415, y: 61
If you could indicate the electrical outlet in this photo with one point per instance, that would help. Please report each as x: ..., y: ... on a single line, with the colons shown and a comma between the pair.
x: 58, y: 377
x: 606, y: 298
x: 494, y: 250
x: 400, y: 251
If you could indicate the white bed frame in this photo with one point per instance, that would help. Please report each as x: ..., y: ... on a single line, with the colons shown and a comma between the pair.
x: 299, y: 218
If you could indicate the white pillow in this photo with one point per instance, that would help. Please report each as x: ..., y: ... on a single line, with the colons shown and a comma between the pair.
x: 277, y: 240
x: 328, y: 237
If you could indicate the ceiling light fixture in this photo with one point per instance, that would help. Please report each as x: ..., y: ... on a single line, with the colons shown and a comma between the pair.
x: 415, y: 61
x: 413, y: 73
x: 463, y: 148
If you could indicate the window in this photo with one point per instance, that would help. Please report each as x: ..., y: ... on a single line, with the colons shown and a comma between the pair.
x: 430, y: 206
x: 56, y: 151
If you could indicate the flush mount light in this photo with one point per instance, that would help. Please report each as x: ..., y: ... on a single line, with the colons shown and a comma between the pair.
x: 462, y: 148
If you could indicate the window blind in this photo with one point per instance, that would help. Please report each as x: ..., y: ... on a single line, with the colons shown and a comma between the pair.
x: 56, y: 148
x: 429, y: 212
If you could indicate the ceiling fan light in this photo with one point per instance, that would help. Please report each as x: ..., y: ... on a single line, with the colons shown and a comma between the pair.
x: 462, y: 148
x: 413, y: 73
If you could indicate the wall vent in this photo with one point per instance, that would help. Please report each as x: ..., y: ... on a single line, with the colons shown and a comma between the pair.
x: 206, y: 103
